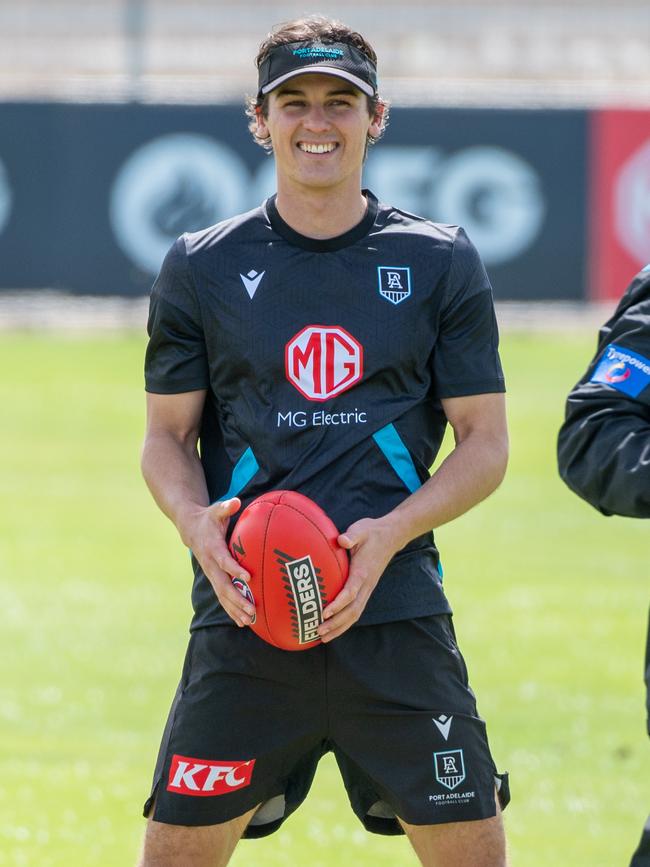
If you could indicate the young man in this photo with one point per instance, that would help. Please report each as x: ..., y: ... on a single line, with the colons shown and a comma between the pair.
x: 604, y: 443
x: 320, y: 343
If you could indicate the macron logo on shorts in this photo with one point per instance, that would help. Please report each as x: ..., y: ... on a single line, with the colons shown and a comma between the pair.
x: 202, y: 778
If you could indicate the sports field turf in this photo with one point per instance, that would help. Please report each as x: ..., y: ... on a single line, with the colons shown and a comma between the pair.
x: 551, y: 601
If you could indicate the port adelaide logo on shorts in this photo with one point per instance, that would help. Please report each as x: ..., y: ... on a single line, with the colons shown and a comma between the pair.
x: 394, y: 283
x: 450, y: 768
x: 306, y: 594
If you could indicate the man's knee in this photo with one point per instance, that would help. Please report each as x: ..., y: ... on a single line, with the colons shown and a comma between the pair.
x: 478, y: 843
x: 191, y: 846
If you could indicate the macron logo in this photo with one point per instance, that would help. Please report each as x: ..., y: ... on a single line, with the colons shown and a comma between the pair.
x: 443, y: 724
x: 251, y: 281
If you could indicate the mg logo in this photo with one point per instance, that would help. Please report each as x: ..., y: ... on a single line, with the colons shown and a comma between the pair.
x: 321, y: 361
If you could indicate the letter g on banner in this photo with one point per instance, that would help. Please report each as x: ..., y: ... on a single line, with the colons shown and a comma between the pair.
x: 5, y: 197
x: 496, y: 195
x: 492, y: 192
x: 181, y: 182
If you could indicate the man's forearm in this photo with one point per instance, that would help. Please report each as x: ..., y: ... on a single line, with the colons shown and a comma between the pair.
x: 473, y: 470
x: 174, y: 475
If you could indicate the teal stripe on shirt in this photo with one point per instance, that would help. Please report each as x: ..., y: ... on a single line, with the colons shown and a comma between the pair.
x: 398, y: 456
x: 242, y: 473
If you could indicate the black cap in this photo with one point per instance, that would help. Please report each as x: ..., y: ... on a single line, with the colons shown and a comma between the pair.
x: 332, y: 58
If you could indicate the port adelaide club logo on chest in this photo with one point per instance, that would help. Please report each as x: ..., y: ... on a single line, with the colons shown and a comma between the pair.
x: 394, y: 283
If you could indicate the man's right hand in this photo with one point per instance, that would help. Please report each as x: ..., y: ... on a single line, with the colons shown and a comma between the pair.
x: 207, y: 539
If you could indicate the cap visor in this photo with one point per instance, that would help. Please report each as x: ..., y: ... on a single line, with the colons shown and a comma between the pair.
x: 325, y: 70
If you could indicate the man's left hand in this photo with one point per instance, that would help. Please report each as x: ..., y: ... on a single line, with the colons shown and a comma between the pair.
x: 372, y: 544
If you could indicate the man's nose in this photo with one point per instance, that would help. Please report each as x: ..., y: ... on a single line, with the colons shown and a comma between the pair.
x: 316, y: 119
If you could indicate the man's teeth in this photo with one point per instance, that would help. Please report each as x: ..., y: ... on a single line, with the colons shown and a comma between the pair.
x: 316, y: 148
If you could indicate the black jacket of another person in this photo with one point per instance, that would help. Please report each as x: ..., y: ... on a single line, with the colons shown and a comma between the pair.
x: 604, y: 443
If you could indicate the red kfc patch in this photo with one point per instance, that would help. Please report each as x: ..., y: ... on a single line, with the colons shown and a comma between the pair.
x: 203, y: 778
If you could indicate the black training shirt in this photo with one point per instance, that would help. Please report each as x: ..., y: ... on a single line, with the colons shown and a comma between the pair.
x: 324, y: 363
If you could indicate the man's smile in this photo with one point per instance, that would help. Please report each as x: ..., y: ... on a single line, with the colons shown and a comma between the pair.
x: 317, y: 147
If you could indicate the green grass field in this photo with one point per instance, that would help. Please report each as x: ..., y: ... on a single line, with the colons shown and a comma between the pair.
x: 550, y: 598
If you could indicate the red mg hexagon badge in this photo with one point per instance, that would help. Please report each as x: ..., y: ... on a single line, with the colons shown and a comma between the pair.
x: 321, y: 361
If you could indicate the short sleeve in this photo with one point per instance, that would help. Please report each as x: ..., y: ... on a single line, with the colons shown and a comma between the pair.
x: 176, y: 357
x: 466, y: 355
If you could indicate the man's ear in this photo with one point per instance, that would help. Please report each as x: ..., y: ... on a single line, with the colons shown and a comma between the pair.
x: 377, y: 122
x: 262, y: 129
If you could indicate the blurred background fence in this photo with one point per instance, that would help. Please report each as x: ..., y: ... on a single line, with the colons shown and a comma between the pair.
x: 121, y: 126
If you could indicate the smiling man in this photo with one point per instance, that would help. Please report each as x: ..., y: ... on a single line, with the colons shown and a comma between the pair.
x: 321, y: 343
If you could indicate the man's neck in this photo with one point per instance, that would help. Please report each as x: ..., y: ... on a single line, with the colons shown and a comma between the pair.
x: 321, y: 214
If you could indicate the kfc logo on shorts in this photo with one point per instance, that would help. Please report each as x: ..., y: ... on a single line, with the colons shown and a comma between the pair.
x: 321, y: 361
x: 202, y: 778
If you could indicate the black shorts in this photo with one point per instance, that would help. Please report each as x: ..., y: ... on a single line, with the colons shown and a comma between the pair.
x: 249, y: 724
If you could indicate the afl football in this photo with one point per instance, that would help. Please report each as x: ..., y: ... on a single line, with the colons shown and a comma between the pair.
x: 289, y: 546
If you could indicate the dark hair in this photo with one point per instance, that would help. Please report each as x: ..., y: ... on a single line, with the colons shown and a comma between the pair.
x: 319, y: 29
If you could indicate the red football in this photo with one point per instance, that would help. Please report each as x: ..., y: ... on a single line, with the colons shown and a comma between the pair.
x: 288, y: 545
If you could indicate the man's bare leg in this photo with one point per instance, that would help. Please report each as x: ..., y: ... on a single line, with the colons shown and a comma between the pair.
x: 481, y: 843
x: 189, y: 846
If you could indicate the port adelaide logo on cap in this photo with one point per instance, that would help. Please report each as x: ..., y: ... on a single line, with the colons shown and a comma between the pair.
x: 394, y: 283
x: 306, y: 595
